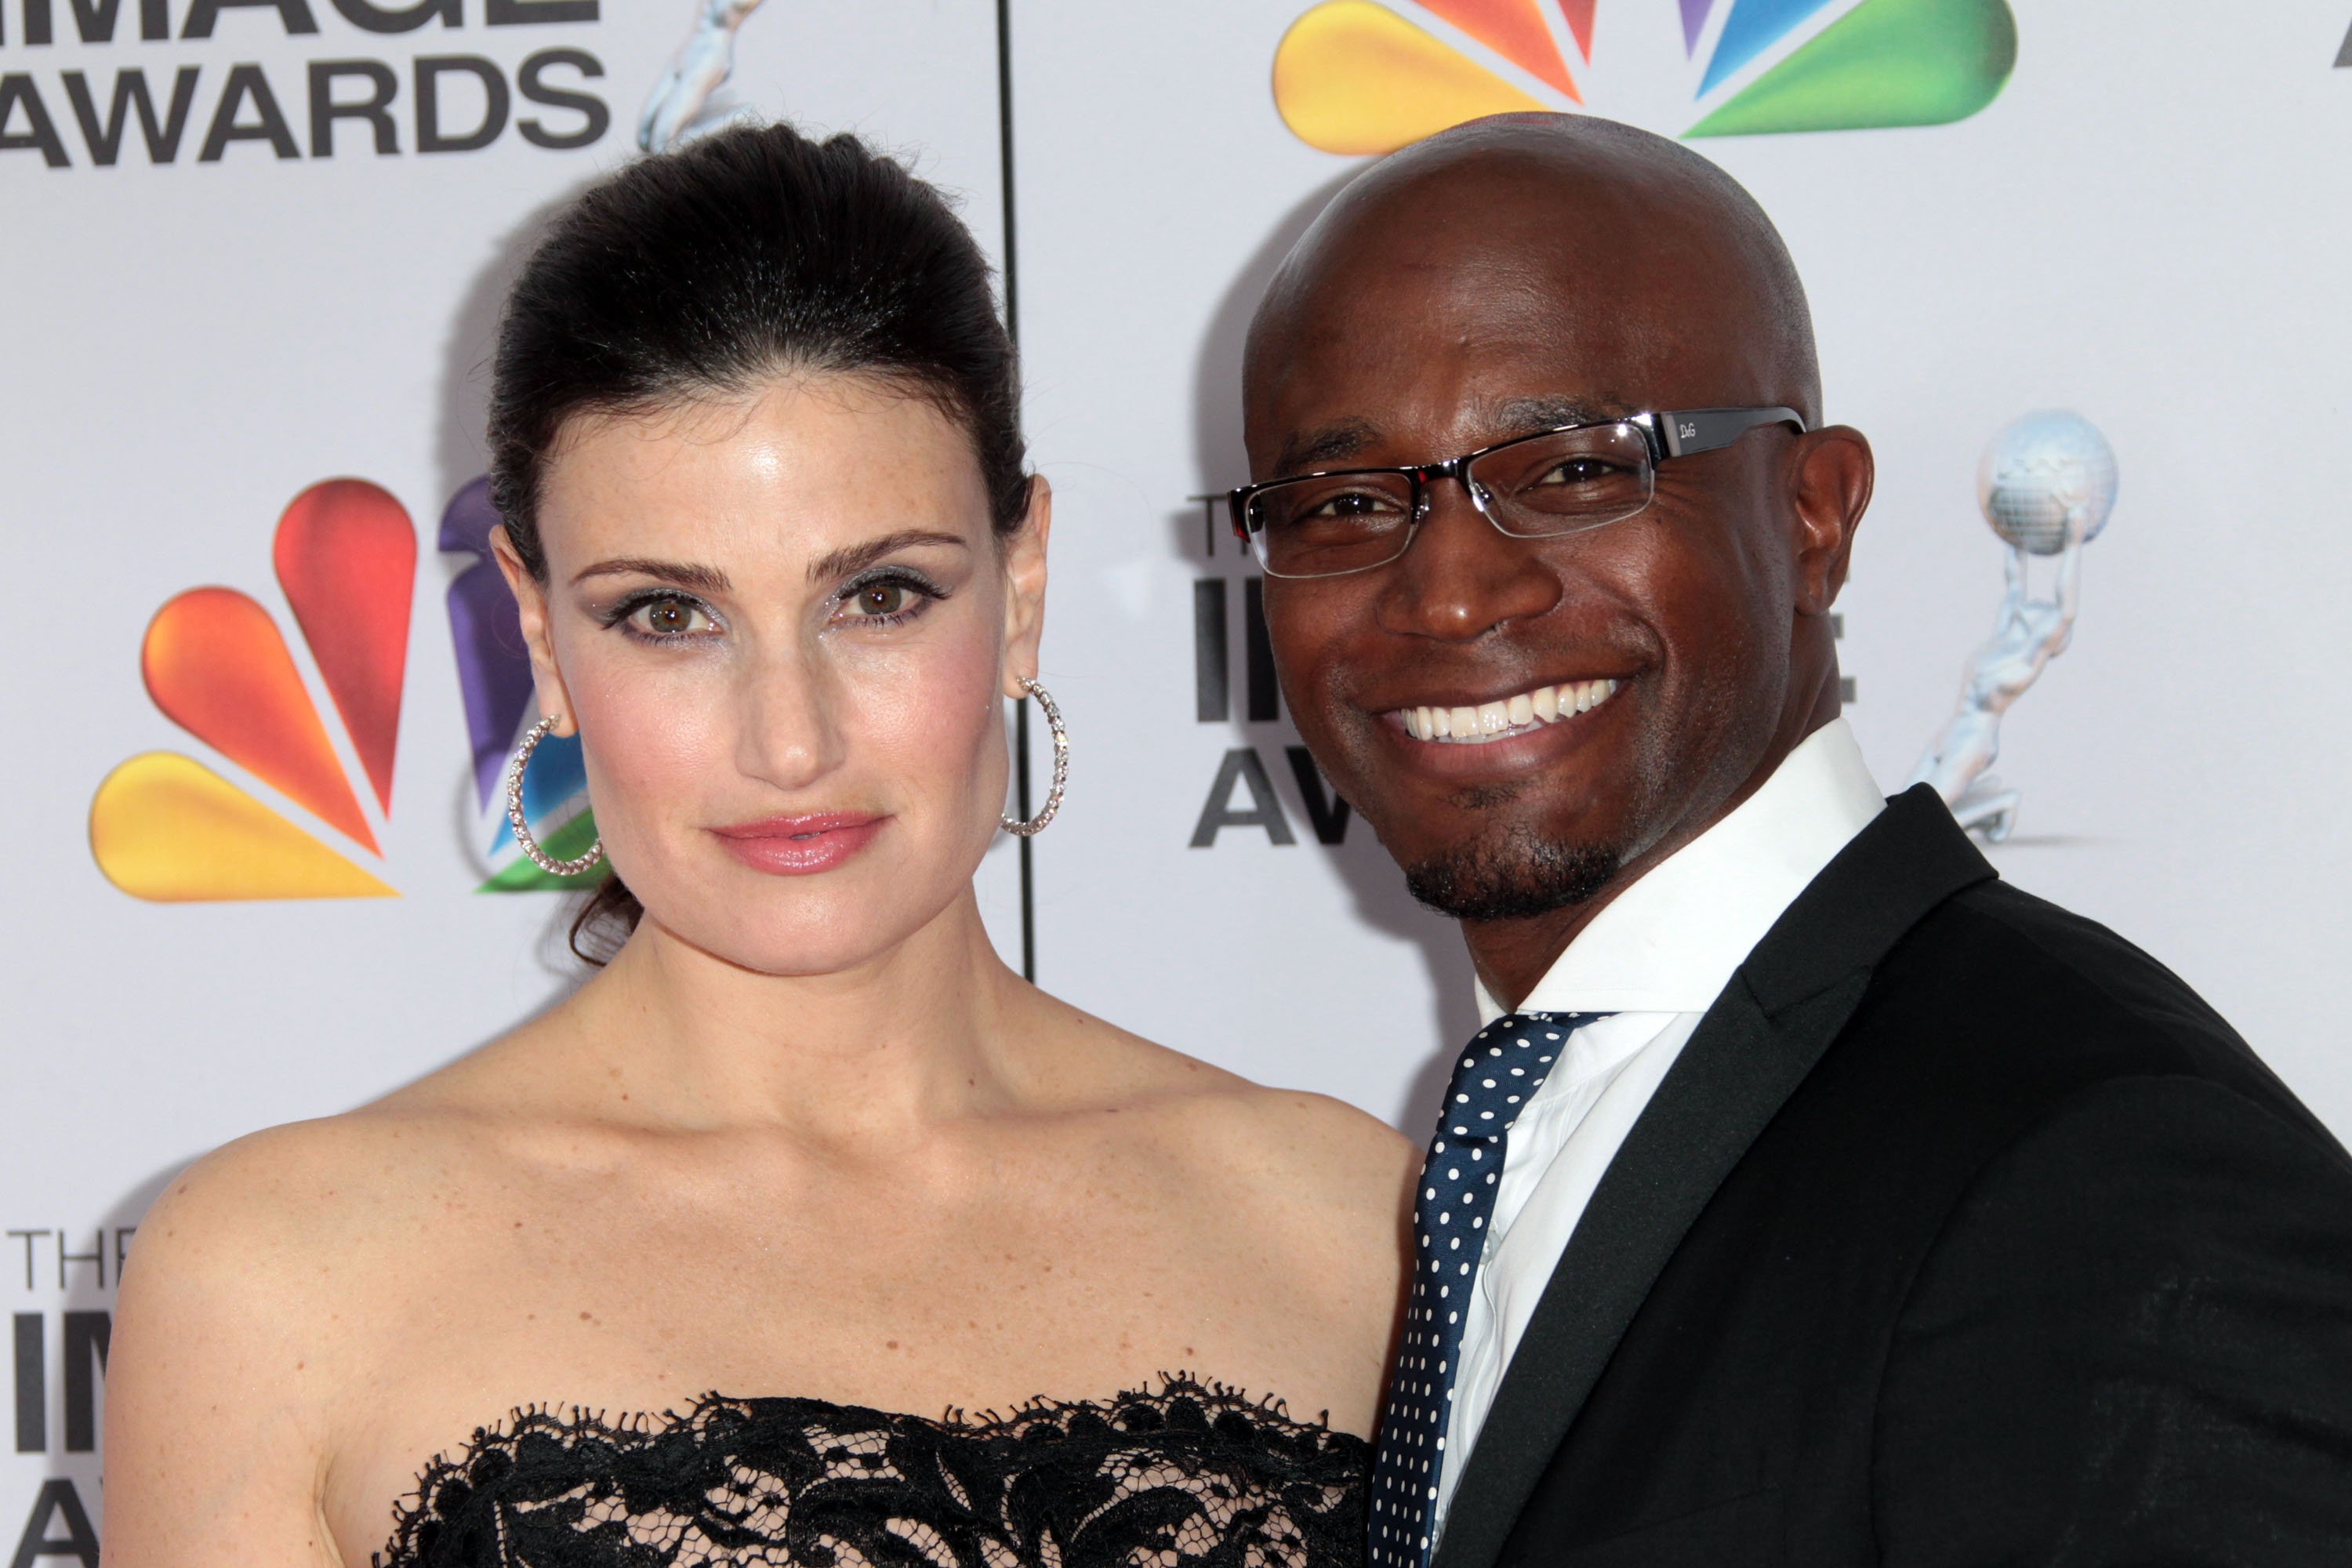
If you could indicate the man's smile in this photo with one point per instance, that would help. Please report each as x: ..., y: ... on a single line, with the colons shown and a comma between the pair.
x: 1483, y: 724
x: 1528, y: 735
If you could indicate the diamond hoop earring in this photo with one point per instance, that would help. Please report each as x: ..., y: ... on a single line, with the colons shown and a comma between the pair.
x: 1036, y: 824
x: 521, y: 826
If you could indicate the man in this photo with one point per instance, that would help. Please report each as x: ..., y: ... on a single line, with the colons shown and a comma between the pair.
x: 1811, y: 1197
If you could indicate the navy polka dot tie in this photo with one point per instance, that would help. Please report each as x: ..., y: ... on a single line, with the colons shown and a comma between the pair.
x: 1497, y: 1074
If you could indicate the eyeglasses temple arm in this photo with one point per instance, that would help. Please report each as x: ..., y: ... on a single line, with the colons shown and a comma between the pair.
x: 1686, y: 430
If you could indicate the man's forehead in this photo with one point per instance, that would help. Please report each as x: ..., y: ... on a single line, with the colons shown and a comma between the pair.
x: 1517, y: 262
x: 1398, y: 435
x: 1476, y: 241
x: 1473, y: 339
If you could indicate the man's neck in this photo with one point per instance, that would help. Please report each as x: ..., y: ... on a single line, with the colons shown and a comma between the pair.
x: 1513, y: 956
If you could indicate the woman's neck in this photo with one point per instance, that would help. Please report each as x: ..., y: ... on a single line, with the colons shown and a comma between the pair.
x: 912, y: 1037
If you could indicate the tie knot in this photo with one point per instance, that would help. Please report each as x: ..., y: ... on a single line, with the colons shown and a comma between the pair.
x: 1501, y: 1068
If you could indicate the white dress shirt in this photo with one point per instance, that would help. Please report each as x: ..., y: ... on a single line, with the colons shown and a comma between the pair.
x: 1655, y: 957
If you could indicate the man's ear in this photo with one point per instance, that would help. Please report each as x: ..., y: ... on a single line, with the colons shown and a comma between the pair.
x: 531, y: 598
x: 1830, y: 479
x: 1024, y: 585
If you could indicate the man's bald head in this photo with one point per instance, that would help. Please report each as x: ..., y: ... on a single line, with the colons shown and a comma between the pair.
x: 1608, y: 220
x: 1506, y: 280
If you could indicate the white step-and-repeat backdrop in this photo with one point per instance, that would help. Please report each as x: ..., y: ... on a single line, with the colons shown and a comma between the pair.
x: 251, y: 253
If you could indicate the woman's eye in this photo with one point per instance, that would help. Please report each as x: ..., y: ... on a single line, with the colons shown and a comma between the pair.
x: 886, y: 601
x: 670, y: 618
x: 879, y: 599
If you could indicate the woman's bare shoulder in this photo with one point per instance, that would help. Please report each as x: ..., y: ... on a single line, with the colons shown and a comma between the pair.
x: 1313, y: 1144
x: 305, y: 1209
x: 1321, y: 1147
x: 336, y: 1181
x: 260, y: 1291
x: 254, y: 1213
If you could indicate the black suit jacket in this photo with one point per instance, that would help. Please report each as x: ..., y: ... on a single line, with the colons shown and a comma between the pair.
x: 1960, y: 1233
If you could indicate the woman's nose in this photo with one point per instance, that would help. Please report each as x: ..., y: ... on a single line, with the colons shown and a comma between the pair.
x: 786, y: 731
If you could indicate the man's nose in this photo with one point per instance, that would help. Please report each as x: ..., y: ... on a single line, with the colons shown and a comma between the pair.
x: 1462, y: 576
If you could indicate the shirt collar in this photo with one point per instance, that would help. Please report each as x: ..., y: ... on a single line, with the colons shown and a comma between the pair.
x: 1670, y: 941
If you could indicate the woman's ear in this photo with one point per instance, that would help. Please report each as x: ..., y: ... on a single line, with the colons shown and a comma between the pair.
x: 531, y: 598
x: 1024, y: 585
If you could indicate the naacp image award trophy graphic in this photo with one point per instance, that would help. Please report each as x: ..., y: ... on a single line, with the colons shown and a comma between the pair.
x: 680, y: 101
x: 2046, y: 485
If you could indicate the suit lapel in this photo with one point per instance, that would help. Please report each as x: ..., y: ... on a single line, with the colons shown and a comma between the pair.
x: 1750, y: 1053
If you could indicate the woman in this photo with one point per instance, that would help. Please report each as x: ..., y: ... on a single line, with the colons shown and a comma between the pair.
x: 687, y: 1270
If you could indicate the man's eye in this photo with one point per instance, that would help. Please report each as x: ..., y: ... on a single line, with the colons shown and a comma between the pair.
x: 1579, y: 471
x: 670, y: 618
x: 1353, y: 504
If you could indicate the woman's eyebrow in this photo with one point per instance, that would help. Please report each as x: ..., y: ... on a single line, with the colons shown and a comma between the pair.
x: 851, y: 557
x: 686, y: 574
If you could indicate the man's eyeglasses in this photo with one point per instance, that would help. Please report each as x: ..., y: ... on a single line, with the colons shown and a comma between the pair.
x: 1563, y: 480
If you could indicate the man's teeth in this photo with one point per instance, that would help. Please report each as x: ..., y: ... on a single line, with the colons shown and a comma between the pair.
x: 1508, y: 716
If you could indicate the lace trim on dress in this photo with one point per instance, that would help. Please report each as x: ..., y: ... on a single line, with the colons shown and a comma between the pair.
x: 1192, y: 1474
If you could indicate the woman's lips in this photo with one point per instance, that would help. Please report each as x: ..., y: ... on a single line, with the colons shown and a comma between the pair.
x: 799, y: 846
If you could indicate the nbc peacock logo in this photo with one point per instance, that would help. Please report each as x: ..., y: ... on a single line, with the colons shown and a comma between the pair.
x: 303, y: 817
x: 1360, y: 77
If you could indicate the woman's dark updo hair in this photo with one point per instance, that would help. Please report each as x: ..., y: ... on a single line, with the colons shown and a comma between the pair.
x: 702, y: 274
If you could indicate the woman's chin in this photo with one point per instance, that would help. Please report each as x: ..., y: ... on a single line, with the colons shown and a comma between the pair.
x: 816, y: 937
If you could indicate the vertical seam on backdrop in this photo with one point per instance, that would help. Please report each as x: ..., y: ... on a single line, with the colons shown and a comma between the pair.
x: 1012, y: 328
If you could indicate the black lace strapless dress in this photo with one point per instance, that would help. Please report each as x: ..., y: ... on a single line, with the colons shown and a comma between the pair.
x: 1192, y: 1476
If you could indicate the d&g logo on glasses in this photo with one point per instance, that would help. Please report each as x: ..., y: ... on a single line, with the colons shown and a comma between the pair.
x: 170, y: 827
x: 1369, y: 75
